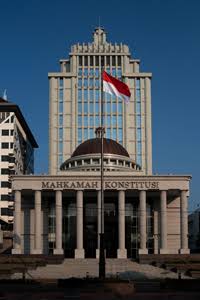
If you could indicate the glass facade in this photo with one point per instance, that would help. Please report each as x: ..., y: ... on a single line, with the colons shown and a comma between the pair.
x: 111, y: 211
x: 89, y: 98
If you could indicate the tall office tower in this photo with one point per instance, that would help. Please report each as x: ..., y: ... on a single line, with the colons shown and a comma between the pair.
x: 75, y: 105
x: 16, y: 155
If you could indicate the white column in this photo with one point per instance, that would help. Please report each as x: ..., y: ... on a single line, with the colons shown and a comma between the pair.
x: 163, y: 222
x: 155, y: 226
x: 142, y: 222
x: 79, y: 251
x: 17, y: 224
x: 58, y: 249
x: 121, y: 251
x: 98, y: 222
x: 184, y: 223
x: 38, y: 224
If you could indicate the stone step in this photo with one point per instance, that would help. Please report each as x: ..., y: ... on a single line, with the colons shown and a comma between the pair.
x: 123, y: 268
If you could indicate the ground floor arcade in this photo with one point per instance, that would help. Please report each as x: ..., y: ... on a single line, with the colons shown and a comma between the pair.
x: 63, y: 215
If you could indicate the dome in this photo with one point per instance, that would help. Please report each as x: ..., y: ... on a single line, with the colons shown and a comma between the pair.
x: 93, y: 146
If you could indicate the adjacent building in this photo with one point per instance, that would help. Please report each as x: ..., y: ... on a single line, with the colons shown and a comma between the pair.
x: 194, y: 230
x: 17, y: 145
x: 60, y: 213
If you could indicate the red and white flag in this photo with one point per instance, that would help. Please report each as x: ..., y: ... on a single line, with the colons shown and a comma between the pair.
x: 116, y: 87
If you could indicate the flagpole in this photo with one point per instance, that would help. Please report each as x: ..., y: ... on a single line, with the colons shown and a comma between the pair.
x: 102, y: 261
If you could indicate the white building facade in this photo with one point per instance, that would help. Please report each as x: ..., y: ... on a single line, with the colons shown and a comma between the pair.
x: 16, y: 153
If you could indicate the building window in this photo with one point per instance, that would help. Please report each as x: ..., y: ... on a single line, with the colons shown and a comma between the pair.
x: 108, y: 133
x: 92, y: 121
x: 61, y: 95
x: 11, y: 145
x: 5, y: 132
x: 4, y: 158
x: 86, y: 61
x: 60, y: 133
x: 85, y: 95
x: 79, y: 121
x: 60, y: 160
x: 91, y: 95
x: 4, y: 211
x: 85, y: 121
x: 80, y: 83
x: 91, y: 73
x: 97, y: 107
x: 108, y: 108
x: 60, y: 107
x: 120, y: 135
x: 5, y: 197
x: 114, y: 134
x: 97, y: 60
x: 97, y: 95
x: 114, y: 72
x: 91, y: 132
x: 85, y: 108
x: 80, y: 108
x: 79, y: 71
x: 5, y: 145
x: 60, y: 147
x: 102, y: 61
x: 85, y: 134
x: 137, y: 84
x: 91, y: 108
x: 113, y: 60
x: 120, y: 121
x: 85, y: 82
x: 60, y: 120
x: 120, y: 108
x: 79, y: 95
x: 5, y: 184
x: 139, y: 134
x: 80, y: 61
x: 91, y: 60
x: 139, y: 148
x: 86, y: 72
x: 79, y: 135
x: 61, y: 82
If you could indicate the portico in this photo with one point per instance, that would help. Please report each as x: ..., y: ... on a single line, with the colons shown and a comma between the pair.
x: 165, y: 202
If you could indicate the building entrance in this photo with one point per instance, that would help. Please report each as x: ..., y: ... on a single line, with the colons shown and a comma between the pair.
x: 132, y: 230
x: 90, y: 230
x: 110, y: 230
x: 132, y: 239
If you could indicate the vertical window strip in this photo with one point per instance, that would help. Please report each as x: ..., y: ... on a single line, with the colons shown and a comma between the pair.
x: 60, y: 83
x: 138, y: 122
x: 60, y: 122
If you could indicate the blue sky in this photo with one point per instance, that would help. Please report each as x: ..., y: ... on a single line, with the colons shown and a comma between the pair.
x: 164, y: 35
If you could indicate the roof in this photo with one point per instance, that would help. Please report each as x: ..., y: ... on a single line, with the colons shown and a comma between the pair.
x: 6, y: 106
x: 94, y: 146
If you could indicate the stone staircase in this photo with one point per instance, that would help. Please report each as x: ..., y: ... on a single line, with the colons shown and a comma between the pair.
x: 81, y: 268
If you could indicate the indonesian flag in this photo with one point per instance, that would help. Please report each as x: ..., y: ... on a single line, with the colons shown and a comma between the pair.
x: 116, y: 87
